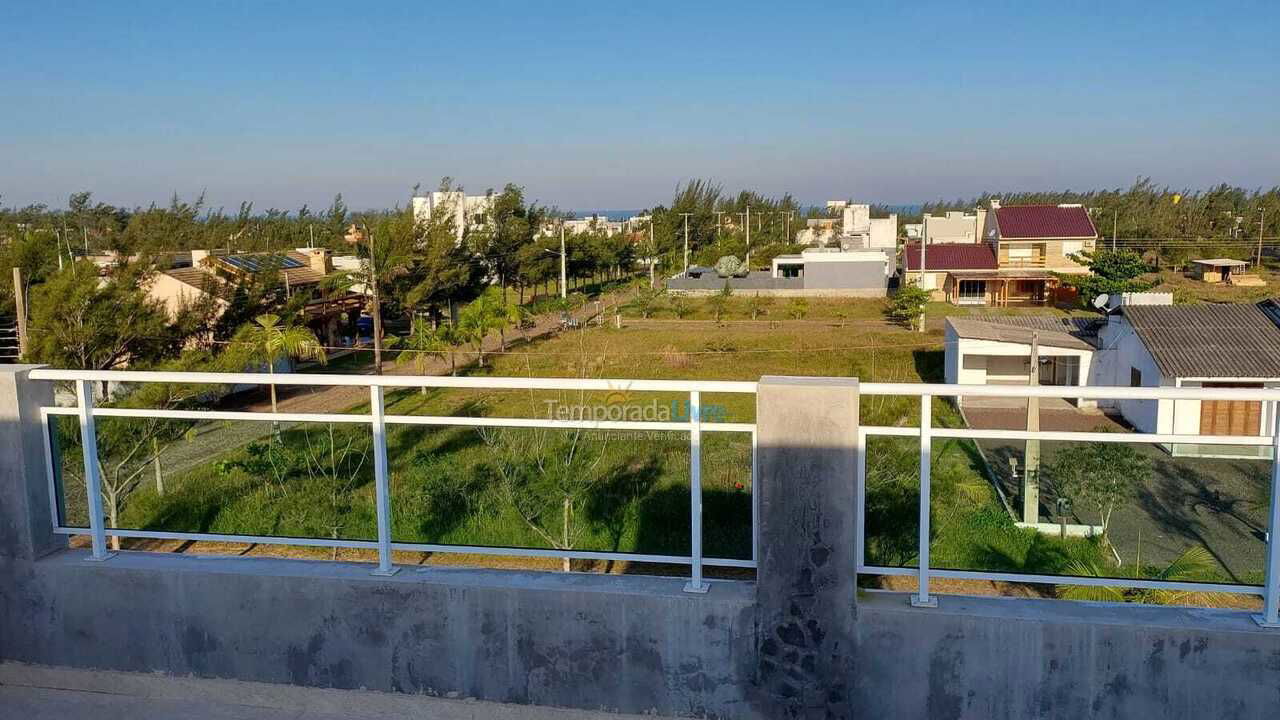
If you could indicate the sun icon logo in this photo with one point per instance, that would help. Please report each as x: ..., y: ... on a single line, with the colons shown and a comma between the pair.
x: 617, y: 397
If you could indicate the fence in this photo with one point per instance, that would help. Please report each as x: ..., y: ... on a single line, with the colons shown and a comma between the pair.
x: 925, y: 432
x: 378, y: 420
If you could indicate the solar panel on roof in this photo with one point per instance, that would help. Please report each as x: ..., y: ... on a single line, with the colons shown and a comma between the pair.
x: 258, y: 263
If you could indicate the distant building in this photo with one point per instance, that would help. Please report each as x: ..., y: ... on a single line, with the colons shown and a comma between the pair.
x: 814, y: 272
x: 953, y: 227
x: 855, y: 229
x: 299, y: 272
x: 589, y: 223
x: 467, y: 210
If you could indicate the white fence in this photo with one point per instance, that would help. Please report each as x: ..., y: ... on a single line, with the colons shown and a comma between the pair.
x: 925, y: 433
x: 378, y: 420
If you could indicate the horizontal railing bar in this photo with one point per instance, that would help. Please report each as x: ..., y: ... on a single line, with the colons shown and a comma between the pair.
x: 410, y: 547
x: 1066, y: 436
x: 402, y: 381
x: 1069, y: 580
x: 1093, y: 392
x: 1116, y: 437
x: 446, y: 420
x: 216, y: 537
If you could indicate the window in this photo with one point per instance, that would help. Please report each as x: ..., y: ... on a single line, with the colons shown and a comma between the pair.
x: 973, y: 291
x: 1135, y: 377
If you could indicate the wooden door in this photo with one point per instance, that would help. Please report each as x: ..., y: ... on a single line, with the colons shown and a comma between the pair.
x: 1230, y: 417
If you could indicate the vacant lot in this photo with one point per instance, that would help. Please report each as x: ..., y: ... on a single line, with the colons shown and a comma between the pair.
x: 604, y: 491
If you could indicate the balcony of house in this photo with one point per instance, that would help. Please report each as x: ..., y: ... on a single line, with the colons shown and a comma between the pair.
x: 1004, y: 288
x: 802, y: 543
x: 1023, y: 255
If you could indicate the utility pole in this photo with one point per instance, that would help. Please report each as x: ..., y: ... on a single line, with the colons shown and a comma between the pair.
x: 1262, y: 216
x: 923, y: 245
x: 377, y: 305
x: 564, y: 264
x: 1115, y: 228
x: 787, y: 228
x: 20, y: 305
x: 686, y: 243
x: 653, y: 251
x: 718, y: 213
x: 748, y: 239
x: 1031, y: 461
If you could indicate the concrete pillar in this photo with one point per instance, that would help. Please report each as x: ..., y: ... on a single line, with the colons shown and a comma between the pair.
x: 807, y: 437
x: 26, y: 525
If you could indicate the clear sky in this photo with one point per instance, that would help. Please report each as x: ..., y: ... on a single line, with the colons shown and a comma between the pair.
x: 610, y: 105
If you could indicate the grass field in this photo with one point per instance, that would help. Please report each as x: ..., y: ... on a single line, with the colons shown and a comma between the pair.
x: 629, y: 491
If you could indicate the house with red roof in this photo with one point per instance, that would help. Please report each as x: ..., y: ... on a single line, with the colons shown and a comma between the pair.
x: 1016, y: 260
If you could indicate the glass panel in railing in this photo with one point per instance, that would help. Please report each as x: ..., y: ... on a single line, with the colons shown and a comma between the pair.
x: 1181, y: 513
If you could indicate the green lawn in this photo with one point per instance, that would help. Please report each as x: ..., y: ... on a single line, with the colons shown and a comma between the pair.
x: 630, y: 491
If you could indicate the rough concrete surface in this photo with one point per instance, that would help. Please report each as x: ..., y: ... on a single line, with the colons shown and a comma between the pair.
x: 34, y: 692
x: 618, y: 643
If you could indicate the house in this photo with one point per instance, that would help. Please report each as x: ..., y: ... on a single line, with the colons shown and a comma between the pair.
x: 815, y: 272
x: 970, y: 274
x: 301, y: 271
x: 1225, y: 271
x: 467, y: 210
x: 1040, y: 236
x: 996, y: 350
x: 953, y: 227
x: 854, y: 229
x: 1200, y: 345
x: 1146, y: 341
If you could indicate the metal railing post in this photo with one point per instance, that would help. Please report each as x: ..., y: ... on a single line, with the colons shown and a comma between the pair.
x: 92, y: 481
x: 922, y: 598
x: 860, y: 503
x: 755, y: 503
x: 696, y: 583
x: 381, y: 483
x: 1270, y: 616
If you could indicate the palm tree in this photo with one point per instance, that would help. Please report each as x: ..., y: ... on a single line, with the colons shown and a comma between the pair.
x: 1193, y: 565
x: 421, y: 345
x: 267, y: 340
x: 485, y: 314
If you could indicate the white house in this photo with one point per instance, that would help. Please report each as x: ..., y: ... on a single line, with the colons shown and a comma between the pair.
x: 1199, y: 345
x: 855, y: 228
x: 466, y: 209
x: 996, y: 350
x: 1139, y: 344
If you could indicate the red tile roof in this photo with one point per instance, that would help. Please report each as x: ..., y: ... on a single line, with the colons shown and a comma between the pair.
x: 1017, y: 222
x: 952, y: 256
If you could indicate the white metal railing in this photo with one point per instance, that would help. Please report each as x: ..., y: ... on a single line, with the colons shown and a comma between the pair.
x: 378, y: 420
x: 925, y: 432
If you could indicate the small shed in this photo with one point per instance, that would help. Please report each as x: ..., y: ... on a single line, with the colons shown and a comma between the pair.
x: 1217, y: 270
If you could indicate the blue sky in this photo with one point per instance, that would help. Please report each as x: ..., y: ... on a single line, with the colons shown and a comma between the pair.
x: 610, y: 105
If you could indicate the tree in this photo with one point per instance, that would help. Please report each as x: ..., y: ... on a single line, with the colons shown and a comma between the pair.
x: 1193, y: 565
x: 729, y: 266
x: 680, y: 307
x: 1102, y: 475
x: 487, y: 313
x: 421, y: 345
x: 798, y: 308
x: 907, y: 305
x: 646, y: 300
x: 268, y: 341
x: 1110, y: 272
x: 758, y: 305
x: 79, y: 320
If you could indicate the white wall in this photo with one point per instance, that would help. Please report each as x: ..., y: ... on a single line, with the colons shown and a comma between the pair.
x: 980, y: 362
x: 1121, y: 351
